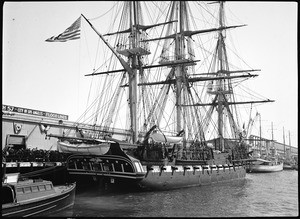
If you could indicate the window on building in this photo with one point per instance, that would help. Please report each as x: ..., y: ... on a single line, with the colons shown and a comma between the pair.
x: 16, y: 141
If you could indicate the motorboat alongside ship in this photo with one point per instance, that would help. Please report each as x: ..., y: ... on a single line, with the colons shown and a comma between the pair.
x: 27, y: 197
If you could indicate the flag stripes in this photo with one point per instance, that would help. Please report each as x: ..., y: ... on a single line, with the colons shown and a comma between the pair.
x: 71, y: 33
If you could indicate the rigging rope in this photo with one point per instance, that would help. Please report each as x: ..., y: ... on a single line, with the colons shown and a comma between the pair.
x: 104, y: 13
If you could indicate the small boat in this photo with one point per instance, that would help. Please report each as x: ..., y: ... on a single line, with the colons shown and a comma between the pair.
x: 288, y: 161
x: 265, y: 166
x: 84, y: 145
x: 288, y: 166
x: 34, y: 197
x: 295, y: 167
x: 266, y: 163
x: 82, y: 148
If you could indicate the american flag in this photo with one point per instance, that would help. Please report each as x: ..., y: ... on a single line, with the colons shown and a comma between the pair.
x: 71, y: 33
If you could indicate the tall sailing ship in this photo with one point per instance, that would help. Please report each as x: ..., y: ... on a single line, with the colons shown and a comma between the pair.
x: 179, y: 114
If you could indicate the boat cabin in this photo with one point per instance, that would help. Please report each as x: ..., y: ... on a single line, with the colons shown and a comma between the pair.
x: 14, y: 190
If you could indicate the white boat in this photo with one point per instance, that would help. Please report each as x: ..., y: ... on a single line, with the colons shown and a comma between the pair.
x: 83, y: 148
x: 82, y: 145
x: 265, y: 166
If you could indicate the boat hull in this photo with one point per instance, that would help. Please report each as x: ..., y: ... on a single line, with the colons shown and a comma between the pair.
x: 288, y: 167
x: 116, y: 169
x: 42, y: 207
x: 164, y: 178
x: 265, y: 168
x: 170, y: 179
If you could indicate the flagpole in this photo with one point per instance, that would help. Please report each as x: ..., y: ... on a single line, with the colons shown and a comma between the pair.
x: 123, y: 62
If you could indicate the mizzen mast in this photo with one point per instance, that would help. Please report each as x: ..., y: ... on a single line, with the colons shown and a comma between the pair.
x: 222, y: 89
x: 224, y: 100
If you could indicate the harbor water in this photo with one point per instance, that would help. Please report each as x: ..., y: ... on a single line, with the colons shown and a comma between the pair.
x: 265, y: 195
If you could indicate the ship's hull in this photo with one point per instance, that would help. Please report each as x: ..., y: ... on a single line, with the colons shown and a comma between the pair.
x: 264, y: 168
x: 164, y: 177
x: 189, y: 176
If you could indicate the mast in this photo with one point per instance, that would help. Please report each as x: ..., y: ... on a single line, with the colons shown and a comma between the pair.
x: 180, y: 58
x: 180, y: 70
x: 283, y: 142
x: 133, y: 77
x: 260, y: 135
x: 290, y: 144
x: 224, y: 101
x: 220, y: 98
x: 133, y: 53
x: 272, y: 131
x: 222, y: 89
x: 179, y: 53
x: 132, y: 71
x: 272, y: 134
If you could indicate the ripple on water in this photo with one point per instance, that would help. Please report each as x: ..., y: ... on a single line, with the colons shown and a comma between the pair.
x: 273, y: 194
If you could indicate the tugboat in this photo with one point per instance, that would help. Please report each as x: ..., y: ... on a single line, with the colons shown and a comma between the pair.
x: 27, y: 197
x: 178, y: 134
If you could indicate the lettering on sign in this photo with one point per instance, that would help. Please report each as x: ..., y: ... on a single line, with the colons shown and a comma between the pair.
x: 33, y: 112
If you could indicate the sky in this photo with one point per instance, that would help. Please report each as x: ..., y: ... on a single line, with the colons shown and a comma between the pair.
x: 49, y: 77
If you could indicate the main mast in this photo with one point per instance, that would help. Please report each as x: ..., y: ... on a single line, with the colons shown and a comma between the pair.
x: 221, y: 97
x: 179, y: 44
x: 133, y: 77
x: 187, y: 118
